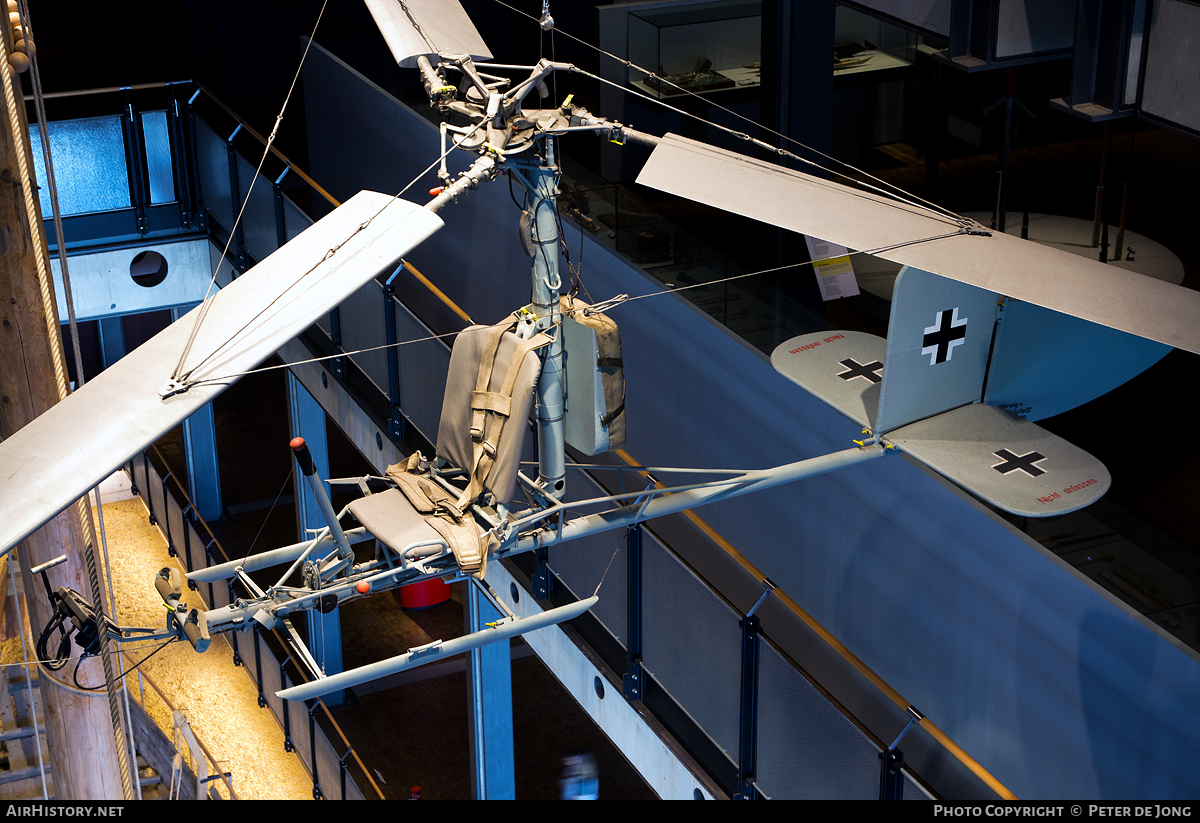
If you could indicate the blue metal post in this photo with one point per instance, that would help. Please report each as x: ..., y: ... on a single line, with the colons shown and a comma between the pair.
x: 633, y: 683
x: 112, y: 340
x: 489, y: 671
x: 308, y: 421
x: 396, y: 423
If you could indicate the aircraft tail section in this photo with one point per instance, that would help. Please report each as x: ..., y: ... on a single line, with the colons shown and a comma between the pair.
x: 922, y: 391
x: 1011, y: 463
x: 843, y: 368
x: 939, y: 337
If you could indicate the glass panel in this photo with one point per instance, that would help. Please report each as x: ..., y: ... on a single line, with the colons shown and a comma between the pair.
x: 89, y: 165
x: 272, y: 683
x: 196, y: 546
x: 175, y: 517
x: 808, y: 749
x: 583, y: 563
x: 423, y: 369
x: 158, y: 157
x: 913, y: 790
x: 137, y: 474
x: 294, y: 219
x: 258, y: 218
x: 329, y: 767
x: 691, y: 643
x: 213, y: 159
x: 301, y: 737
x: 363, y: 328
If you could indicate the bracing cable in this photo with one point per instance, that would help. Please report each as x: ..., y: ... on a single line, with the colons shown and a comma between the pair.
x: 896, y: 193
x: 250, y: 190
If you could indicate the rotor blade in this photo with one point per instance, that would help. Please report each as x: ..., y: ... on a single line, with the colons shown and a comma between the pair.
x: 57, y: 458
x: 865, y: 222
x: 416, y: 28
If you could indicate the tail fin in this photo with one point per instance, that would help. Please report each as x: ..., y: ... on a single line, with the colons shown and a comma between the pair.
x: 939, y: 337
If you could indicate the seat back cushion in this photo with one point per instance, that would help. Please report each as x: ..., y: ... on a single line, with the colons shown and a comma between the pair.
x: 454, y: 429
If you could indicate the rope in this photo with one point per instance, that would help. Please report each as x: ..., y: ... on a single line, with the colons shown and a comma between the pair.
x: 282, y: 486
x: 207, y: 303
x: 627, y: 299
x: 610, y: 562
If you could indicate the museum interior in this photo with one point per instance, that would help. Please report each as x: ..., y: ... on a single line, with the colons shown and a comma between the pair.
x: 875, y: 632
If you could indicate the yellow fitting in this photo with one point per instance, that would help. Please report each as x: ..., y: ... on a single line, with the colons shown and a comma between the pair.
x: 566, y: 104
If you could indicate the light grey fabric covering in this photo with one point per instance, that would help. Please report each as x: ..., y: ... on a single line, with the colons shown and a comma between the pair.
x: 393, y: 521
x: 454, y: 435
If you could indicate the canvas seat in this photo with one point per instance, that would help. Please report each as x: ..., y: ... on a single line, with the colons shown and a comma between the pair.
x: 489, y: 395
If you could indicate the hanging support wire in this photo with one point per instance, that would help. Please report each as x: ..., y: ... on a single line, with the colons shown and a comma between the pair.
x: 207, y: 303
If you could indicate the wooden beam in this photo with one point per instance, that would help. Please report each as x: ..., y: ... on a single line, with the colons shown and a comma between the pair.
x: 80, y: 734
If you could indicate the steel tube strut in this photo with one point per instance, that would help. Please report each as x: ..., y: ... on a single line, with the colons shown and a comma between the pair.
x: 419, y: 657
x: 674, y: 503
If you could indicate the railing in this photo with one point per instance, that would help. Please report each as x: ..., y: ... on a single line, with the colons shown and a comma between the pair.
x: 747, y: 739
x: 408, y: 381
x: 266, y: 657
x: 214, y: 767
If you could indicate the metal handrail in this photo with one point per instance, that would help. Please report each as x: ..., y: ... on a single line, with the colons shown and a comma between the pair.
x: 143, y: 677
x: 825, y: 635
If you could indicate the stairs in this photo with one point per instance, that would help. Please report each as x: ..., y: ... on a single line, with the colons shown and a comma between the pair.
x: 20, y: 774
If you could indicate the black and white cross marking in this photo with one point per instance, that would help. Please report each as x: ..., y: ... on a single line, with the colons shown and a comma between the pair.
x: 948, y: 330
x: 1024, y: 462
x: 867, y: 371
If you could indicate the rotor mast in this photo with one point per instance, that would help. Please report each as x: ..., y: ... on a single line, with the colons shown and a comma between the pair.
x: 541, y: 176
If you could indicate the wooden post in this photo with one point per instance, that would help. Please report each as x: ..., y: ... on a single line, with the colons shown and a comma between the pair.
x: 79, y: 728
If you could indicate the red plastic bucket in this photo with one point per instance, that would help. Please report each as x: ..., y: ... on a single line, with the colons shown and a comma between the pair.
x: 424, y: 593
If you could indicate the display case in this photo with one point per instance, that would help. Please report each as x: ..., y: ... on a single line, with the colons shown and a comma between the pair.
x: 863, y: 43
x: 700, y: 48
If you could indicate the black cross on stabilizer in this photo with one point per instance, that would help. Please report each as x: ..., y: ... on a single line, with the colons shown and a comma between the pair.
x: 865, y: 370
x: 1012, y: 462
x: 947, y: 331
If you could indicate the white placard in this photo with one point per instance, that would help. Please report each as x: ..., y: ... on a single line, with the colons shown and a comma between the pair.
x: 831, y: 264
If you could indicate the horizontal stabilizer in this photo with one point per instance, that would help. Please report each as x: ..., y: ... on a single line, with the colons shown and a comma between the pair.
x: 1011, y: 463
x: 843, y: 368
x: 501, y: 630
x: 57, y: 458
x: 902, y: 232
x: 426, y: 28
